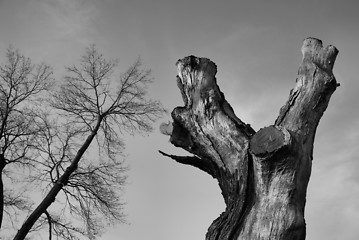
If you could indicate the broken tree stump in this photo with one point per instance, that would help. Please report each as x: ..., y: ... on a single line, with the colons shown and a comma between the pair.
x: 263, y: 175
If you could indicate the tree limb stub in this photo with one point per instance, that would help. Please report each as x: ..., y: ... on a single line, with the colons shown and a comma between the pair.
x: 314, y: 86
x: 263, y: 175
x: 269, y: 140
x: 204, y: 165
x: 205, y: 113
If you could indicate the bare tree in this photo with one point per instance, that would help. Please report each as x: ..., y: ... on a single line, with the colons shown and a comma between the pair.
x: 21, y: 84
x: 263, y: 175
x: 92, y: 194
x: 93, y: 107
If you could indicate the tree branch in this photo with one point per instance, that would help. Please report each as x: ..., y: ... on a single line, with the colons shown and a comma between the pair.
x: 194, y: 161
x: 208, y: 128
x: 314, y: 86
x: 206, y: 110
x: 49, y: 220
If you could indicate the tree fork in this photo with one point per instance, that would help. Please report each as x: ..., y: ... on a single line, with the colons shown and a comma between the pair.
x: 263, y: 175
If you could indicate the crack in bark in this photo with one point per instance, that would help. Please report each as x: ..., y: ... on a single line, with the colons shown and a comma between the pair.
x: 212, y: 144
x: 290, y: 103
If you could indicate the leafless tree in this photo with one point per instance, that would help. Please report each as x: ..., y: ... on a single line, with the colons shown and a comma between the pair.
x: 95, y: 108
x: 21, y: 84
x: 92, y: 191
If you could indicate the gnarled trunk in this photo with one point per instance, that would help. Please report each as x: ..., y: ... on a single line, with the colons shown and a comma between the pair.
x: 263, y: 175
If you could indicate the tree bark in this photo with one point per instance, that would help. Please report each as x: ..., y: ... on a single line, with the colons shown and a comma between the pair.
x: 263, y: 175
x: 2, y: 202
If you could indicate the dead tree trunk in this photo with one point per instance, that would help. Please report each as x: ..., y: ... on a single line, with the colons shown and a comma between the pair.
x: 263, y: 175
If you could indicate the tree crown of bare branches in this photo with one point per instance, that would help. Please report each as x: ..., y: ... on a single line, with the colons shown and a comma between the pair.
x: 21, y: 84
x: 91, y: 104
x: 90, y: 94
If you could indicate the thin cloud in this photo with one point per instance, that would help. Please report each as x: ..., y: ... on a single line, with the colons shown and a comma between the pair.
x: 72, y: 19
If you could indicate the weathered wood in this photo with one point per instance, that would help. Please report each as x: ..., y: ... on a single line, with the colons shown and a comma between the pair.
x: 268, y: 140
x: 263, y: 175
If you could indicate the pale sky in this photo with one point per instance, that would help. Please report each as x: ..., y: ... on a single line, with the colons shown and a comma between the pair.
x: 256, y: 46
